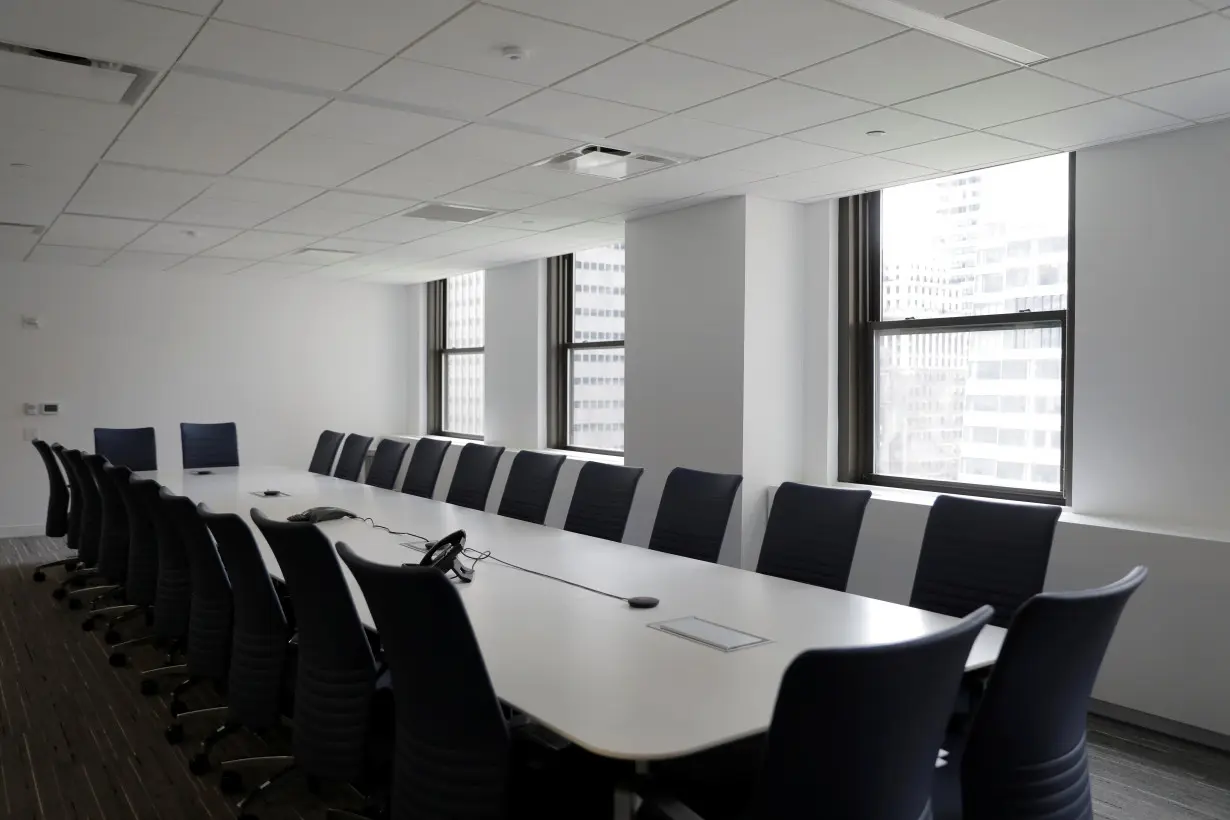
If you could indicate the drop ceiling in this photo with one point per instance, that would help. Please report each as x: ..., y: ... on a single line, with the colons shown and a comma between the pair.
x: 289, y: 138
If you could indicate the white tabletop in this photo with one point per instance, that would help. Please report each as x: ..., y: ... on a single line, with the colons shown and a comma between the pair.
x: 586, y: 665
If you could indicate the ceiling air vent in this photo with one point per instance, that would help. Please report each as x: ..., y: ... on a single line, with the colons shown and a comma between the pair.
x: 436, y: 212
x: 21, y: 227
x: 68, y: 75
x: 609, y: 163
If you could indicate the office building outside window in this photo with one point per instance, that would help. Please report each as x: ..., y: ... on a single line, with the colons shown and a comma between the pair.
x: 456, y: 314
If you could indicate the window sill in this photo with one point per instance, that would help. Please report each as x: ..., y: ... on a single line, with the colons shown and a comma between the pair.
x: 581, y: 455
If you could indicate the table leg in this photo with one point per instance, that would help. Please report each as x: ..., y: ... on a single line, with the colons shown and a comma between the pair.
x: 627, y: 801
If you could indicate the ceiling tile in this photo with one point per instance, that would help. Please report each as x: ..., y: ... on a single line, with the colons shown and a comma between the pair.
x: 352, y: 245
x: 251, y: 190
x: 574, y: 209
x: 432, y: 86
x: 901, y: 68
x: 419, y: 174
x: 681, y: 135
x: 462, y: 239
x: 225, y: 213
x: 900, y: 129
x: 58, y: 255
x: 859, y: 174
x: 777, y: 107
x: 77, y: 119
x: 183, y: 96
x: 1072, y: 25
x: 210, y: 266
x: 113, y: 30
x: 486, y: 143
x: 635, y: 19
x: 1001, y: 99
x: 35, y: 196
x: 681, y: 181
x: 486, y: 196
x: 943, y: 8
x: 565, y: 113
x: 260, y: 245
x: 524, y: 221
x: 275, y: 270
x: 191, y: 145
x: 636, y: 78
x: 782, y: 156
x: 472, y: 41
x: 199, y: 7
x: 138, y: 193
x: 777, y: 36
x: 314, y: 160
x: 1088, y: 124
x: 383, y: 26
x: 144, y: 262
x: 1201, y: 98
x: 50, y: 151
x: 546, y: 181
x: 361, y: 203
x: 94, y: 231
x: 280, y: 57
x: 397, y: 229
x: 963, y: 151
x: 186, y: 239
x: 1178, y: 52
x: 377, y: 126
x: 316, y: 221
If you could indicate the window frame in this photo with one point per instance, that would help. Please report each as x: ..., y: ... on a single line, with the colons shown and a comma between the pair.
x: 561, y: 291
x: 860, y: 327
x: 438, y: 356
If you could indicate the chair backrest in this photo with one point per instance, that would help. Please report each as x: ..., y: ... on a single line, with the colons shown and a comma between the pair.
x: 350, y: 462
x: 475, y: 471
x: 811, y: 534
x: 386, y: 462
x: 57, y: 493
x: 326, y: 451
x: 983, y: 552
x: 91, y: 507
x: 113, y: 523
x: 173, y: 599
x: 693, y: 513
x: 209, y: 445
x: 336, y: 673
x: 212, y: 614
x: 1025, y: 754
x: 856, y: 730
x: 531, y: 481
x: 602, y: 500
x: 73, y: 533
x: 424, y: 467
x: 133, y: 447
x: 141, y: 585
x: 452, y: 742
x: 258, y: 653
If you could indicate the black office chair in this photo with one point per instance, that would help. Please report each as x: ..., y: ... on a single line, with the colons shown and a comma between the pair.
x: 856, y: 732
x: 811, y: 534
x: 115, y: 549
x: 424, y: 467
x: 56, y: 525
x: 141, y: 584
x: 354, y: 452
x: 475, y: 471
x: 84, y: 495
x: 382, y: 472
x: 73, y: 536
x: 209, y: 445
x: 1025, y: 754
x: 602, y: 500
x: 693, y: 513
x: 133, y: 447
x: 173, y: 598
x: 111, y: 542
x: 983, y: 552
x: 531, y: 481
x: 326, y: 451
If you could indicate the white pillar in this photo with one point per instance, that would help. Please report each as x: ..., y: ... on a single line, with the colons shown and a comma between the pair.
x: 515, y: 362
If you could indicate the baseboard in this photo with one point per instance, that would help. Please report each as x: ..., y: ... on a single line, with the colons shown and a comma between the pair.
x: 1183, y: 731
x: 21, y: 532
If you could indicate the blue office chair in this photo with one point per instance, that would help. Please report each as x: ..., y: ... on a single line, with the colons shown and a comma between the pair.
x: 812, y: 533
x: 386, y: 463
x: 602, y: 500
x: 57, y: 523
x: 209, y: 445
x: 354, y: 452
x: 424, y: 467
x: 133, y: 447
x: 531, y: 481
x: 475, y: 471
x: 326, y: 451
x: 693, y: 513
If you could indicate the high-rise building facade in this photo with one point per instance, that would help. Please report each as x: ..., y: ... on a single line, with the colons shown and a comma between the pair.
x: 465, y: 304
x: 596, y: 372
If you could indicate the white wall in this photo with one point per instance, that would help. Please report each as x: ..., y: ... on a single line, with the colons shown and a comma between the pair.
x: 820, y: 328
x: 515, y: 361
x: 284, y: 360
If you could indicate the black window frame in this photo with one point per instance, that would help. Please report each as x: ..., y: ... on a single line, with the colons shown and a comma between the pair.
x: 438, y: 355
x: 859, y: 308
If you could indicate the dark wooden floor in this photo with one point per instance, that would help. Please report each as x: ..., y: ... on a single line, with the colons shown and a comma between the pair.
x: 77, y: 740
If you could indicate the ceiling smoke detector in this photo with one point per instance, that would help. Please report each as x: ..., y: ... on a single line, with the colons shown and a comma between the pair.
x: 513, y: 53
x: 608, y: 163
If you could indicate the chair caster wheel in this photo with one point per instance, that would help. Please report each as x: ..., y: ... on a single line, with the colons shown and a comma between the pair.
x: 112, y: 636
x: 71, y: 566
x: 149, y: 686
x: 174, y: 733
x: 119, y: 659
x: 39, y: 576
x: 58, y: 593
x: 74, y: 603
x: 230, y: 782
x: 88, y: 624
x: 177, y: 707
x: 200, y: 764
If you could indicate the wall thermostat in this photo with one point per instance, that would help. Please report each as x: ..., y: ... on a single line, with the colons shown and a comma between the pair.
x: 49, y: 408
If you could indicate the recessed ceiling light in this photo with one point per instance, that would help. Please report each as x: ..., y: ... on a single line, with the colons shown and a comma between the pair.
x: 875, y: 132
x: 513, y: 53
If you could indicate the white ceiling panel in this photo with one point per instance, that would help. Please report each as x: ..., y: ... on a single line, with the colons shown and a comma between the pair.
x: 137, y: 193
x: 49, y: 151
x: 901, y: 68
x: 260, y: 245
x: 681, y: 181
x: 574, y: 209
x: 637, y: 78
x: 1059, y: 28
x: 942, y: 8
x: 312, y: 220
x: 144, y: 262
x: 280, y: 57
x: 776, y: 37
x: 1088, y: 124
x: 383, y: 26
x: 275, y: 270
x: 677, y: 134
x: 199, y: 7
x: 565, y: 113
x: 782, y: 156
x: 188, y: 96
x: 432, y: 86
x: 556, y: 183
x: 251, y: 190
x: 210, y: 266
x: 859, y: 174
x: 188, y: 145
x: 58, y: 255
x: 315, y: 160
x: 1002, y: 99
x: 1178, y: 52
x: 352, y: 245
x: 226, y: 213
x: 481, y: 142
x: 185, y: 239
x: 472, y: 41
x: 964, y: 151
x: 420, y: 174
x: 635, y: 19
x: 377, y: 126
x: 462, y: 239
x: 487, y: 196
x: 34, y: 196
x: 778, y: 107
x: 525, y: 221
x: 397, y: 229
x: 1201, y: 98
x: 900, y: 129
x: 94, y: 231
x: 113, y: 30
x: 361, y: 203
x: 77, y: 119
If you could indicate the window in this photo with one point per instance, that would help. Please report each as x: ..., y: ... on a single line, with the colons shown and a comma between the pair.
x: 586, y: 368
x: 938, y: 391
x: 455, y: 375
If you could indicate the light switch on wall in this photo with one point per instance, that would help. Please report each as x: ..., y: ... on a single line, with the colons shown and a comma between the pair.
x: 29, y: 433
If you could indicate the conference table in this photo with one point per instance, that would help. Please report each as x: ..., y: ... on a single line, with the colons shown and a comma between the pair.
x: 586, y: 666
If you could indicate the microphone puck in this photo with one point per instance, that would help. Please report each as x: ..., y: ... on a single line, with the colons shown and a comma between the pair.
x: 642, y: 602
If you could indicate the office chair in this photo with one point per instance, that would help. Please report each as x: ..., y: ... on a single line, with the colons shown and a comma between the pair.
x: 57, y: 525
x: 133, y: 447
x: 115, y: 547
x: 602, y: 500
x: 87, y: 506
x: 141, y: 585
x: 73, y: 536
x: 424, y: 467
x: 855, y: 733
x: 173, y: 598
x: 693, y: 513
x: 354, y: 452
x: 531, y: 481
x: 326, y: 451
x: 811, y: 534
x: 475, y: 471
x: 382, y: 472
x: 109, y: 527
x: 209, y: 445
x: 1025, y: 755
x: 983, y: 552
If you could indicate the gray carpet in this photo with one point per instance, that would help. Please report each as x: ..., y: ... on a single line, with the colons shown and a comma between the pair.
x: 77, y: 740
